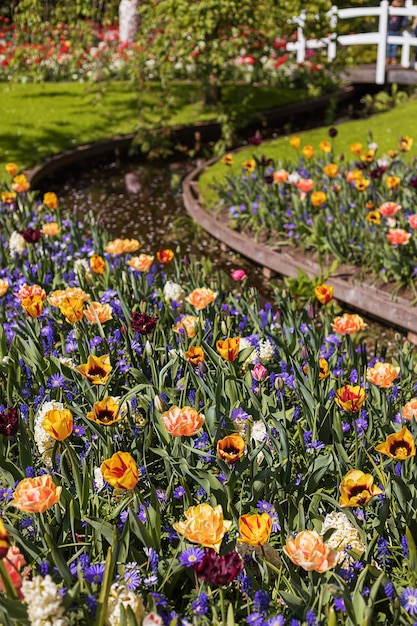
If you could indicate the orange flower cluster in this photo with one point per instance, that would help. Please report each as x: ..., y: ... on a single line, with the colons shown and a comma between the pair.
x: 120, y: 246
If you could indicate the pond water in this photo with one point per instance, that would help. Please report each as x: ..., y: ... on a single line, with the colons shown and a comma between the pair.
x: 144, y: 201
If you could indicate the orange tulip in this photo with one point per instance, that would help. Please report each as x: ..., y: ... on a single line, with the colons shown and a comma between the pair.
x: 184, y: 422
x: 50, y: 200
x: 56, y: 297
x: 307, y: 152
x: 33, y: 305
x: 227, y: 159
x: 98, y: 312
x: 405, y: 143
x: 58, y: 423
x: 201, y: 298
x: 295, y: 142
x: 307, y: 550
x: 20, y: 183
x: 392, y: 182
x: 249, y: 165
x: 120, y: 471
x: 368, y: 156
x: 350, y: 398
x: 187, y: 326
x: 11, y: 169
x: 97, y: 369
x: 373, y: 217
x: 324, y: 293
x: 354, y: 175
x: 357, y: 489
x: 231, y: 448
x: 409, y: 410
x: 348, y: 324
x: 331, y: 170
x: 204, y: 525
x: 280, y: 176
x: 356, y: 148
x: 141, y: 263
x: 305, y: 185
x: 325, y: 147
x: 120, y: 246
x: 228, y: 348
x: 105, y: 412
x: 399, y: 445
x: 35, y: 495
x: 4, y: 286
x: 165, y: 256
x: 318, y: 198
x: 398, y: 236
x: 255, y: 530
x: 389, y: 209
x: 323, y: 369
x: 50, y: 229
x: 26, y: 291
x: 382, y: 374
x: 72, y: 309
x: 8, y: 197
x: 195, y: 355
x: 97, y: 264
x: 362, y: 184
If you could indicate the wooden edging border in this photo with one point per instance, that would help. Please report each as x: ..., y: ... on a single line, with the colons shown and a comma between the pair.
x: 366, y: 298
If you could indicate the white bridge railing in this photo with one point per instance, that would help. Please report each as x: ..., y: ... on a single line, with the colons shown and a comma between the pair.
x: 379, y: 37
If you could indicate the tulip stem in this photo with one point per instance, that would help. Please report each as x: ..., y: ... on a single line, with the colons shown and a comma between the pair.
x: 222, y: 606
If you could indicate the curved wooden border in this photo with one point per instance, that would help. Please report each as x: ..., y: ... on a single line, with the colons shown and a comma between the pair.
x: 365, y: 298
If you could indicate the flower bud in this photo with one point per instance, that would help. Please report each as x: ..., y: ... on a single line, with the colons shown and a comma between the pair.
x: 148, y: 348
x: 159, y: 405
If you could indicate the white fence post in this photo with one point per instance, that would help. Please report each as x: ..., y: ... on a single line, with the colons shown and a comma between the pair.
x: 405, y: 50
x: 331, y: 48
x: 301, y: 40
x: 382, y: 43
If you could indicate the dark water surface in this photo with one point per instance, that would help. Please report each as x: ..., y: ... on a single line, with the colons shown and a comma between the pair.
x: 144, y: 201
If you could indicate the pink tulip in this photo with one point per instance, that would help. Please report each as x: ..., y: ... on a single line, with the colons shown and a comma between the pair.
x: 238, y: 274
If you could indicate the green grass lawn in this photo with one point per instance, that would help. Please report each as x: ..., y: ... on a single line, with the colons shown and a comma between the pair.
x: 385, y: 129
x: 39, y: 120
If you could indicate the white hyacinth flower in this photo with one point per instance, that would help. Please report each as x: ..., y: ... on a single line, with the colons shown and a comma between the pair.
x: 44, y: 602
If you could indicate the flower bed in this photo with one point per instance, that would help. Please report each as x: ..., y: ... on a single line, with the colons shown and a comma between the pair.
x: 89, y: 51
x: 173, y: 453
x: 359, y: 213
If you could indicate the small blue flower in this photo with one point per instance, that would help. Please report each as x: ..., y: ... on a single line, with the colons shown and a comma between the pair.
x: 191, y: 556
x: 339, y: 604
x: 408, y: 600
x: 94, y: 573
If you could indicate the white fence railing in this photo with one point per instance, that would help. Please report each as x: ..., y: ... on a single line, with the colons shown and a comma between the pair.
x: 379, y: 37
